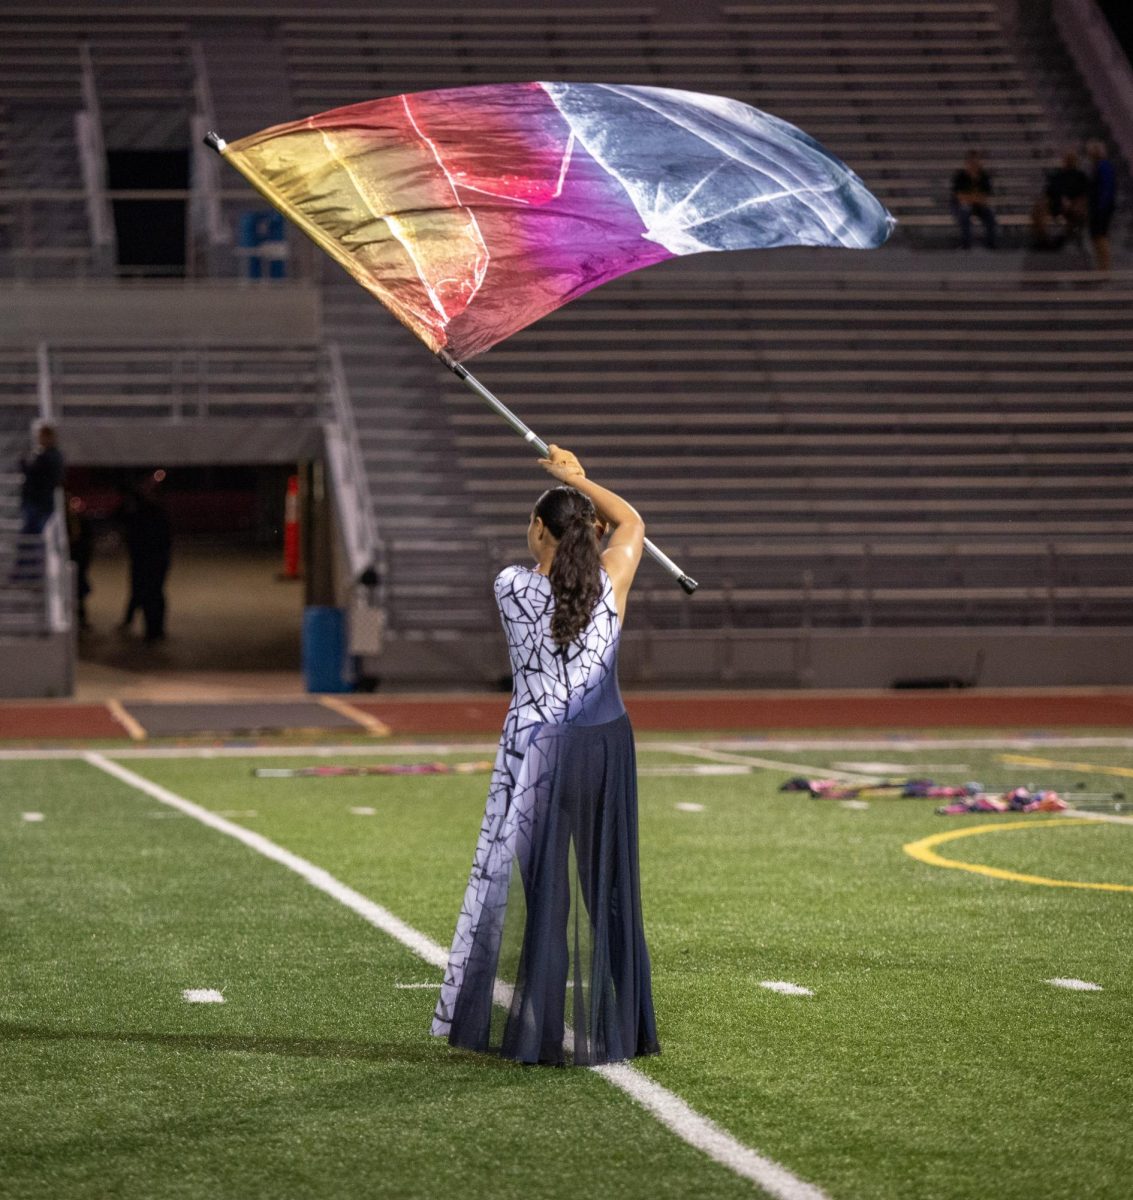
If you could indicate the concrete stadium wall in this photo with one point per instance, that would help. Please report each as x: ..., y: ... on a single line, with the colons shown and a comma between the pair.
x: 214, y: 313
x: 37, y: 667
x: 799, y: 658
x: 139, y: 442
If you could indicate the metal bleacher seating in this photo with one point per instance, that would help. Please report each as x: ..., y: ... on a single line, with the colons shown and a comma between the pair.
x: 890, y: 449
x: 180, y: 383
x: 842, y: 446
x: 141, y: 80
x: 903, y: 91
x: 919, y: 453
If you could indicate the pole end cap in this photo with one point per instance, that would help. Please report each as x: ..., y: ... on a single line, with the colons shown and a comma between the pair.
x: 688, y: 584
x: 214, y: 141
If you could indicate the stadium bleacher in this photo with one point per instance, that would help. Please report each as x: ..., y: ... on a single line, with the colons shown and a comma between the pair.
x: 886, y: 442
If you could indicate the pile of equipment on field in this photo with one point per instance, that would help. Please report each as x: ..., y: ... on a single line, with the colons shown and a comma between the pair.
x: 963, y: 798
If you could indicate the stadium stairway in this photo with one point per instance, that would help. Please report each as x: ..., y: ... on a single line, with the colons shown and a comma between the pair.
x: 886, y: 449
x: 43, y: 216
x: 22, y: 606
x: 439, y: 571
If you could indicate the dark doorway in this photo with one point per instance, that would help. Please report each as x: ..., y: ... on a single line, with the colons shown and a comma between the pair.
x: 1120, y: 17
x: 230, y: 605
x: 150, y: 230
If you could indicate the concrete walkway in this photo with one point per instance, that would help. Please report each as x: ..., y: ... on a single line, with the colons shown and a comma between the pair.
x: 232, y: 630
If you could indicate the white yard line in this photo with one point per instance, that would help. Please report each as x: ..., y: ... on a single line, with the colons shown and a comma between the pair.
x: 810, y: 770
x: 736, y: 746
x: 280, y: 750
x: 1113, y: 818
x: 896, y: 743
x: 677, y: 1116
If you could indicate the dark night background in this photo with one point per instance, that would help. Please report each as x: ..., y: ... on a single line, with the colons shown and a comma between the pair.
x: 1119, y: 13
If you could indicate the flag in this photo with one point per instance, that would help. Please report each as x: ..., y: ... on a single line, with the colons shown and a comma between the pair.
x: 472, y: 212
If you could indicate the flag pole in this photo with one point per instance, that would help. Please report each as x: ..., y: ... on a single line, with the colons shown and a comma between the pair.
x: 532, y: 439
x: 215, y: 142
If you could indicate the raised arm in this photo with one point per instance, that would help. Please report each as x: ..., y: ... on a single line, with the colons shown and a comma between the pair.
x: 627, y: 536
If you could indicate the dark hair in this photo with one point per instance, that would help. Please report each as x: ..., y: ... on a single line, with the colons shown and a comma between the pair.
x: 575, y: 579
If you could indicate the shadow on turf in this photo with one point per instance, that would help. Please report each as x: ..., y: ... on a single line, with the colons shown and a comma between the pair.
x: 387, y: 1052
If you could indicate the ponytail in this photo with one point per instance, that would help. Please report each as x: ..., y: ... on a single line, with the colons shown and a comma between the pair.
x: 575, y: 577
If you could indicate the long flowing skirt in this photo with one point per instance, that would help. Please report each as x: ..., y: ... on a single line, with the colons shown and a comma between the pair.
x: 554, y: 966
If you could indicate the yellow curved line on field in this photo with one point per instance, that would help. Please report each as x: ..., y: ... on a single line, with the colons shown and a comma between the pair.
x: 923, y: 851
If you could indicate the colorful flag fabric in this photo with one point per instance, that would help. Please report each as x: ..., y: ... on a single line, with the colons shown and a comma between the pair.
x: 471, y: 212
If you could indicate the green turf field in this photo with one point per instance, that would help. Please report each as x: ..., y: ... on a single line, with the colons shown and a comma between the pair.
x: 932, y: 1060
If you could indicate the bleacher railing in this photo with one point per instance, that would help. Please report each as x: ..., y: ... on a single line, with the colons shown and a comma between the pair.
x: 210, y: 239
x: 364, y: 546
x: 92, y: 159
x: 177, y: 383
x: 1103, y: 65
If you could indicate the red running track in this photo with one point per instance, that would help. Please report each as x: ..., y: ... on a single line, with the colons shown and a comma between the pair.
x: 746, y: 712
x: 761, y: 712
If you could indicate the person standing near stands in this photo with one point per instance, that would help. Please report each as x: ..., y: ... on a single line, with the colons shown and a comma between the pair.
x: 43, y: 473
x: 149, y: 542
x: 971, y: 196
x: 1102, y: 201
x: 1062, y: 204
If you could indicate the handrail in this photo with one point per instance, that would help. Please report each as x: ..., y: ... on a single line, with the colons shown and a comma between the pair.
x: 182, y: 382
x: 205, y: 216
x: 364, y: 544
x: 1103, y: 66
x: 43, y: 382
x: 92, y: 159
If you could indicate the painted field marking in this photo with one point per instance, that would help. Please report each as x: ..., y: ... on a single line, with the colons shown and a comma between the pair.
x: 130, y: 724
x: 666, y: 1106
x: 923, y: 851
x: 283, y: 749
x: 364, y: 810
x: 784, y: 988
x: 675, y: 769
x: 436, y: 987
x: 688, y: 806
x: 202, y: 996
x: 1026, y: 760
x: 695, y: 750
x: 1075, y: 985
x: 275, y: 750
x: 889, y: 768
x: 365, y: 719
x: 889, y: 745
x: 33, y: 817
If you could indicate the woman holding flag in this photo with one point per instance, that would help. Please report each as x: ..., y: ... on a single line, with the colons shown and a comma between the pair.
x: 549, y: 962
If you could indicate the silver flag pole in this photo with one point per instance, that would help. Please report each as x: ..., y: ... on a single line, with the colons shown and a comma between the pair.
x: 532, y: 439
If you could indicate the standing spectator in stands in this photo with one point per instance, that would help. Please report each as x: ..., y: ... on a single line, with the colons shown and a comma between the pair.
x: 148, y: 542
x: 1060, y: 212
x: 43, y: 473
x: 1102, y: 201
x: 971, y: 195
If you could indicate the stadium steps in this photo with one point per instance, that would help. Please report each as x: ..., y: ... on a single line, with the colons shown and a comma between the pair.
x: 437, y: 573
x: 22, y: 610
x: 765, y: 436
x: 43, y: 198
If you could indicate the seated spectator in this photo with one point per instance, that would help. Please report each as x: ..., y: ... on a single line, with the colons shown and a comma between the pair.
x: 1060, y: 212
x: 1102, y: 201
x: 971, y: 193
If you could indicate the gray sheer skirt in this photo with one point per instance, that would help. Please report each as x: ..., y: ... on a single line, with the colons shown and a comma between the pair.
x: 559, y: 970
